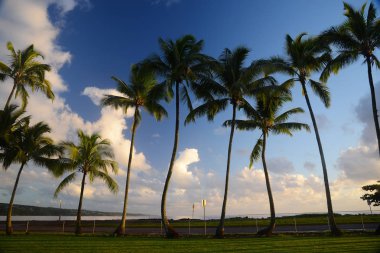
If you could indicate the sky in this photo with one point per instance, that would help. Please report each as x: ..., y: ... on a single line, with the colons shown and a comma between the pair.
x: 88, y: 41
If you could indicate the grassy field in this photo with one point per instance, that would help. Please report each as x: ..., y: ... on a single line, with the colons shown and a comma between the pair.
x: 248, y: 222
x: 67, y: 243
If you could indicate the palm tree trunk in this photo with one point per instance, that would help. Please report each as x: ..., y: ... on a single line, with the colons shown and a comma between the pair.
x: 78, y: 228
x: 267, y: 231
x: 169, y: 231
x: 9, y: 228
x: 334, y: 229
x: 10, y: 95
x: 121, y: 229
x: 220, y: 229
x: 373, y: 98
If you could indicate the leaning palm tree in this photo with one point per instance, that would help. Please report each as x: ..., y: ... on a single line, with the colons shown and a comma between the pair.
x: 180, y: 62
x: 358, y: 36
x: 266, y: 116
x: 29, y: 145
x: 305, y: 57
x: 231, y: 81
x: 141, y: 92
x: 92, y: 157
x: 26, y: 71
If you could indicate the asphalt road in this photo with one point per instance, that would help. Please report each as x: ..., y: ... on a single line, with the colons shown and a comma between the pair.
x: 103, y: 227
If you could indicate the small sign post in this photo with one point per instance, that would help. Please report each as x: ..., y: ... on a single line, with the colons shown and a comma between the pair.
x: 204, y: 213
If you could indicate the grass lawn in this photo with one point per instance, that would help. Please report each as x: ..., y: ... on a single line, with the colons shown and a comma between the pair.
x: 283, y: 243
x: 249, y: 222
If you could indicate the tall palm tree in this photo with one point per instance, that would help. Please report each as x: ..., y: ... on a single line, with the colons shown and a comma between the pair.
x: 359, y: 35
x: 181, y: 61
x: 266, y: 116
x: 141, y: 92
x: 30, y: 144
x: 231, y: 81
x: 92, y: 157
x: 26, y: 71
x: 305, y: 57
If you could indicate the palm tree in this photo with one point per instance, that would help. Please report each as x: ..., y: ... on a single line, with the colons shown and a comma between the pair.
x: 230, y: 83
x: 92, y: 156
x: 180, y: 62
x: 305, y: 57
x: 142, y: 92
x: 30, y: 144
x: 26, y: 71
x: 265, y: 117
x: 12, y: 122
x: 358, y: 35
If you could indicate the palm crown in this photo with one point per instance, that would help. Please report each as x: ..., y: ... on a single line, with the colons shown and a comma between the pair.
x: 230, y: 83
x: 181, y: 60
x: 358, y: 35
x: 31, y: 144
x: 93, y: 156
x: 142, y: 91
x: 26, y: 70
x: 304, y: 58
x: 266, y: 116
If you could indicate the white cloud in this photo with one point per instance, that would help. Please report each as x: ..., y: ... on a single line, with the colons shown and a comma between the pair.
x: 182, y: 175
x: 361, y: 163
x: 25, y: 22
x: 280, y: 165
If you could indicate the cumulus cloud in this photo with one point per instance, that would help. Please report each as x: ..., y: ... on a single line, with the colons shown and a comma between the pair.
x: 361, y: 163
x: 309, y: 166
x: 280, y: 165
x: 25, y: 22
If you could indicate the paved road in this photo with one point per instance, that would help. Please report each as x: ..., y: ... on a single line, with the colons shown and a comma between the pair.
x: 68, y: 227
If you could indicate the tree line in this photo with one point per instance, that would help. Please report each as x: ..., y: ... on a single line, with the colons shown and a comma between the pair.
x: 179, y: 71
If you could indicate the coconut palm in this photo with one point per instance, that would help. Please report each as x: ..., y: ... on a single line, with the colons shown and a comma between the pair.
x: 141, y: 92
x: 266, y: 116
x: 92, y: 157
x: 304, y: 58
x: 29, y: 144
x: 26, y: 71
x: 359, y: 35
x: 230, y: 82
x: 12, y: 122
x: 180, y: 62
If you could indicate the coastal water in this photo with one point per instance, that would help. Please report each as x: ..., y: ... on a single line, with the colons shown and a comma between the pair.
x: 52, y: 218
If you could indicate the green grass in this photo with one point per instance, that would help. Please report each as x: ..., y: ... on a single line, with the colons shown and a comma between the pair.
x: 247, y: 222
x: 73, y: 244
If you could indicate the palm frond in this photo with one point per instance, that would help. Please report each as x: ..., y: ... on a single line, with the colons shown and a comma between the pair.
x: 110, y: 182
x: 289, y: 127
x: 285, y: 116
x: 210, y: 109
x: 64, y: 183
x: 321, y: 90
x: 256, y: 151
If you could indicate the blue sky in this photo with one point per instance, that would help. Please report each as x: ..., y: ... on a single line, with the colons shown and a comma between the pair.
x: 89, y: 41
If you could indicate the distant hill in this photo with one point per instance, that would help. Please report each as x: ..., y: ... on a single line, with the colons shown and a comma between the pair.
x: 23, y: 210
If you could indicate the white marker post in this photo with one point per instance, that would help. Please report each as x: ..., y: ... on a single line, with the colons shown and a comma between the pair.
x: 204, y: 213
x: 60, y: 209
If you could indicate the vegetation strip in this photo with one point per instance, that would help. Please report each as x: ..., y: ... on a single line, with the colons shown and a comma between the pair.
x: 68, y: 243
